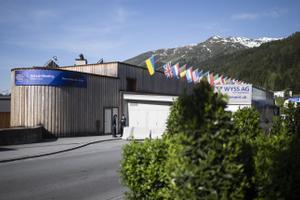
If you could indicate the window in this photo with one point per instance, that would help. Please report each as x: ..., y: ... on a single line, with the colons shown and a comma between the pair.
x: 131, y: 84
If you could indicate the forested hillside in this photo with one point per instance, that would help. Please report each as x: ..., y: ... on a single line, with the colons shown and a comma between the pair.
x: 274, y: 65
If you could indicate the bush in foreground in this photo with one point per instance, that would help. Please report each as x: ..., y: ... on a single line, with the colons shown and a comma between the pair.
x: 206, y: 153
x: 203, y: 150
x: 143, y: 169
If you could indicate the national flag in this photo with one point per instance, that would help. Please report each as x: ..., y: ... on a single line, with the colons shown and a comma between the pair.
x: 151, y: 65
x: 182, y: 71
x: 211, y: 79
x: 225, y: 80
x: 203, y: 75
x: 195, y: 75
x: 189, y: 76
x: 208, y: 77
x: 219, y: 80
x: 216, y: 77
x: 168, y: 70
x: 175, y: 70
x: 200, y: 73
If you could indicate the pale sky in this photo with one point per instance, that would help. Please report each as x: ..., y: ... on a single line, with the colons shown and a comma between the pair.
x: 33, y: 31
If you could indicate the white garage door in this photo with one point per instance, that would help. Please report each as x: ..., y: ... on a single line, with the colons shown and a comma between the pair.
x: 148, y: 115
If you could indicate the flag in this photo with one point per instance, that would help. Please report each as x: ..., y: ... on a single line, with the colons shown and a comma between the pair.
x: 150, y: 65
x: 189, y: 76
x: 175, y: 70
x: 182, y: 71
x: 203, y: 75
x: 226, y: 80
x: 195, y: 75
x: 223, y: 80
x: 168, y: 70
x: 216, y: 77
x: 200, y: 74
x: 211, y: 79
x: 219, y: 80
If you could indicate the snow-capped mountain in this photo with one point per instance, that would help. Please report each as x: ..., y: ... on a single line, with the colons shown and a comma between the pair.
x: 200, y: 52
x: 247, y: 42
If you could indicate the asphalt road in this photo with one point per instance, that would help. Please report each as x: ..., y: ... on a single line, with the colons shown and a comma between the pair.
x: 87, y: 173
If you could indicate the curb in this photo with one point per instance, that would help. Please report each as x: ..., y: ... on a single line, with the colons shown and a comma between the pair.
x: 57, y: 152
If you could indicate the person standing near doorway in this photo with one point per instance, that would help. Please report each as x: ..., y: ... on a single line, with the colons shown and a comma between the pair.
x: 123, y: 124
x: 114, y: 126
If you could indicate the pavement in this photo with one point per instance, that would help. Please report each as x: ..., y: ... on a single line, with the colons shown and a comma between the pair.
x: 26, y: 151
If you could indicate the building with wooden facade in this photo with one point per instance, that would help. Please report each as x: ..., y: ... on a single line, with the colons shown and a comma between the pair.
x: 82, y: 99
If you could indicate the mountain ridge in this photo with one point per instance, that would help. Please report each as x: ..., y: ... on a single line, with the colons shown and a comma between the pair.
x: 273, y: 64
x: 202, y: 51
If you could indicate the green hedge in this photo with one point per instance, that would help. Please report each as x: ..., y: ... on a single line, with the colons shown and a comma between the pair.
x: 208, y: 153
x: 142, y: 169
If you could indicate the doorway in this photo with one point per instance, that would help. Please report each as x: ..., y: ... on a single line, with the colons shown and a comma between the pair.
x: 108, y: 115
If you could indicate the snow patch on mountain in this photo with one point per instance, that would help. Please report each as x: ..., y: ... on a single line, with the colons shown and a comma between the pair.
x: 233, y: 41
x: 211, y: 46
x: 247, y: 42
x: 267, y: 39
x: 207, y: 49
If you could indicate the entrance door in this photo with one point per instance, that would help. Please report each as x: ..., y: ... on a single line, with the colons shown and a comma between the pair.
x: 108, y: 115
x: 107, y: 120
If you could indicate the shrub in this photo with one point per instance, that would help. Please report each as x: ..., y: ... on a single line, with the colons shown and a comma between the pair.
x: 206, y: 153
x: 266, y: 147
x: 190, y: 112
x: 284, y: 176
x: 270, y: 160
x: 292, y: 118
x: 203, y: 150
x: 142, y: 169
x: 247, y: 124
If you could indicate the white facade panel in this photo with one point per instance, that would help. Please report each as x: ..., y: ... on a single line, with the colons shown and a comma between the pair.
x: 147, y: 97
x: 234, y: 108
x: 150, y: 116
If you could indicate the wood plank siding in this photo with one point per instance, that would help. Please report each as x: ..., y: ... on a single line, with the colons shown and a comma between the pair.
x: 105, y: 69
x: 4, y: 119
x: 145, y: 83
x: 64, y: 111
x: 156, y: 84
x: 73, y: 111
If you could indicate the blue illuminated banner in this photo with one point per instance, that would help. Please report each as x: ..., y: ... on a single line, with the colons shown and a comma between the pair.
x: 294, y: 99
x: 50, y: 78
